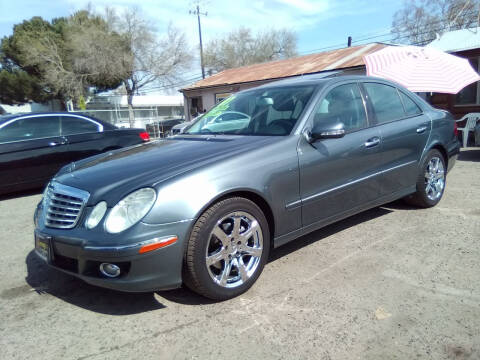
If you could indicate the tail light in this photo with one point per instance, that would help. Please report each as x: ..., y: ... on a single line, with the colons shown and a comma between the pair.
x: 145, y: 136
x: 455, y: 128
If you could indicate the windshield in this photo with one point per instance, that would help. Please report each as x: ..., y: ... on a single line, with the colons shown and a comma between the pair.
x: 270, y: 111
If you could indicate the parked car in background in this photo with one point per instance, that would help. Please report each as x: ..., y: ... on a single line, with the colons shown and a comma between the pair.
x: 162, y: 128
x: 180, y: 128
x: 33, y: 147
x: 225, y: 121
x: 205, y: 207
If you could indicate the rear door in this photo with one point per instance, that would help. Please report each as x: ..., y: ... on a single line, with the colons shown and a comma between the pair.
x: 404, y: 131
x: 30, y: 150
x: 85, y: 137
x: 340, y: 175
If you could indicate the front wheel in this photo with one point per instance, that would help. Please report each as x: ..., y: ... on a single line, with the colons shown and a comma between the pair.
x: 227, y: 249
x: 431, y: 180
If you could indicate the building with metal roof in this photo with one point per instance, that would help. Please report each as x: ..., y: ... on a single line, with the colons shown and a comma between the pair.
x: 205, y: 93
x: 464, y: 43
x: 458, y: 40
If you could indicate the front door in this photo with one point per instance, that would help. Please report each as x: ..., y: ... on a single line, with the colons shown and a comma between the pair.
x: 29, y: 150
x: 339, y: 175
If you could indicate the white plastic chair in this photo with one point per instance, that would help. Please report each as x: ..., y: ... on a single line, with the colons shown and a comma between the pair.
x: 471, y: 119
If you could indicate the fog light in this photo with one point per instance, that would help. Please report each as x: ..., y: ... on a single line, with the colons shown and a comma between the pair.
x: 110, y: 270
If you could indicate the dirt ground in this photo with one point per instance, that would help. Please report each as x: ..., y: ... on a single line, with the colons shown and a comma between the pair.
x: 392, y: 283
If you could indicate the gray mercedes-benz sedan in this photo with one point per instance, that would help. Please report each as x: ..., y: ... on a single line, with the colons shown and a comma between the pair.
x: 205, y: 207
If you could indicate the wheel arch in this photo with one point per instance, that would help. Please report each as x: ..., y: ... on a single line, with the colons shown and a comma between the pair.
x: 251, y: 195
x: 440, y: 147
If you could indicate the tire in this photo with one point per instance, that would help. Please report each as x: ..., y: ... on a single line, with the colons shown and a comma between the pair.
x: 431, y: 181
x: 227, y: 249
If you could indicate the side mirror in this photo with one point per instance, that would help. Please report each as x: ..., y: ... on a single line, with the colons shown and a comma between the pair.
x: 327, y: 130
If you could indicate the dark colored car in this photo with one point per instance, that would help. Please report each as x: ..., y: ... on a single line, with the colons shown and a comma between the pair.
x: 205, y: 207
x: 33, y: 147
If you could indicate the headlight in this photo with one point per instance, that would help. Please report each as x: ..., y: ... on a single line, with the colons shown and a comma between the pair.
x: 130, y: 210
x: 96, y: 215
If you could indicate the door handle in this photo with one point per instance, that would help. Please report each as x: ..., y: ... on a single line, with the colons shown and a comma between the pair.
x: 372, y: 142
x: 421, y: 129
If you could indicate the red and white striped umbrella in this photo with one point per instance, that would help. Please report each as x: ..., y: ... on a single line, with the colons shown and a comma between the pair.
x: 421, y: 69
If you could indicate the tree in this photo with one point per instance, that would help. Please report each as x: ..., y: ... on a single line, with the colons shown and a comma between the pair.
x: 21, y: 80
x: 154, y: 59
x: 18, y: 87
x: 419, y: 21
x: 62, y: 59
x: 240, y: 47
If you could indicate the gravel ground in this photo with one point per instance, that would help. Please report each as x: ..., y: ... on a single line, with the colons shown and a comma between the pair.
x: 394, y: 282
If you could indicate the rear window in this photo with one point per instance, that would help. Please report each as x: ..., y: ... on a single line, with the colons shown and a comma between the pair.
x: 411, y: 108
x: 73, y: 125
x: 386, y: 102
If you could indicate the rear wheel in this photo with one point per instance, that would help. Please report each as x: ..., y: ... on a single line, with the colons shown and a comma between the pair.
x: 227, y: 249
x: 430, y: 181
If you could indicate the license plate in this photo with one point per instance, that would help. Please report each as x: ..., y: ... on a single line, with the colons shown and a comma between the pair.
x: 42, y: 246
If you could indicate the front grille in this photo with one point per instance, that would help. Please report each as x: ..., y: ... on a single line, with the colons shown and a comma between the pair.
x: 63, y: 205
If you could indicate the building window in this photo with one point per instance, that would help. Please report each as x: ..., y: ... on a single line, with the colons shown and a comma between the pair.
x: 220, y: 97
x: 470, y: 95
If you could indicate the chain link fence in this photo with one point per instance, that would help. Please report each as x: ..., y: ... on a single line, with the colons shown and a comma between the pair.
x: 157, y: 123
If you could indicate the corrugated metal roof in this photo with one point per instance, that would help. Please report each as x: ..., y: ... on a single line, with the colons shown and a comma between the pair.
x: 308, y: 64
x: 458, y: 40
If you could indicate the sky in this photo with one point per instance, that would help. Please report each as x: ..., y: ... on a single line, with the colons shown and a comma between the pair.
x: 319, y: 24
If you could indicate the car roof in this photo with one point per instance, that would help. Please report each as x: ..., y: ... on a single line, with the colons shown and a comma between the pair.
x: 323, y: 79
x: 5, y: 118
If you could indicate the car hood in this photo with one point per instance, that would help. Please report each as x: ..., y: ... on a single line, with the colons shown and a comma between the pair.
x: 116, y: 173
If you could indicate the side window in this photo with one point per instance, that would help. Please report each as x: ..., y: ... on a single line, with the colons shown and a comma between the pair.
x: 343, y: 104
x: 411, y: 108
x: 31, y: 128
x: 73, y: 125
x: 386, y: 102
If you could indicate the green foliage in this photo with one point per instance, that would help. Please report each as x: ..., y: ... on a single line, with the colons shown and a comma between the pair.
x: 17, y: 86
x: 61, y: 59
x: 82, y: 105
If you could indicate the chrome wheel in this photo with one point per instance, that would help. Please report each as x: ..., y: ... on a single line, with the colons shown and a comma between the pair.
x: 434, y: 178
x: 234, y: 249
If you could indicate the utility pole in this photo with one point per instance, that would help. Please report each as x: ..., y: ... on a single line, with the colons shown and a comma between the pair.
x: 198, y: 13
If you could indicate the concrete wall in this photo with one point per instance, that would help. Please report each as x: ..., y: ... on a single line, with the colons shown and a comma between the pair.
x: 32, y: 107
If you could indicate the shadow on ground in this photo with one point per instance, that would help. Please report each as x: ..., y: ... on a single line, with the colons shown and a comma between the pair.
x: 45, y: 280
x: 469, y: 155
x: 19, y: 194
x: 322, y: 233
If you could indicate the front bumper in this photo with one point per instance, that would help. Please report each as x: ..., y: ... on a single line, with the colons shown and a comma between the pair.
x: 73, y: 251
